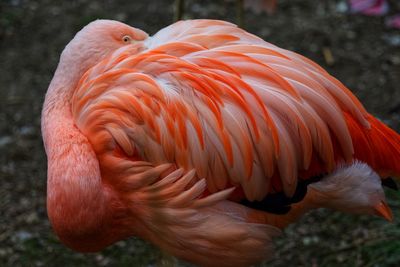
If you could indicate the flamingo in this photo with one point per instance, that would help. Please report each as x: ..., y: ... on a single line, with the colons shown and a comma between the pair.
x: 204, y: 140
x: 375, y: 8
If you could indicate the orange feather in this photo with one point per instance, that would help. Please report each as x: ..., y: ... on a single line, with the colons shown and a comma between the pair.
x: 168, y: 137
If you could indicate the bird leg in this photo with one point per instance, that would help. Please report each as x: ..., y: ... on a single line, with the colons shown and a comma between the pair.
x: 179, y: 9
x: 240, y: 13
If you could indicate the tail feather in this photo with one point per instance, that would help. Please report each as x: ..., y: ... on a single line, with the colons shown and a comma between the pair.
x: 379, y: 146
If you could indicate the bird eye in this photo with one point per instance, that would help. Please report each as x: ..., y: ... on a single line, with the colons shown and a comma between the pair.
x: 126, y: 39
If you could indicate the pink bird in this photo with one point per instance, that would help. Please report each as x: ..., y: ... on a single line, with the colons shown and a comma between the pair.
x: 203, y: 139
x: 375, y: 8
x: 369, y: 7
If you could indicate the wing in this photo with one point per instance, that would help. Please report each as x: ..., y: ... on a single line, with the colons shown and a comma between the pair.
x: 209, y: 96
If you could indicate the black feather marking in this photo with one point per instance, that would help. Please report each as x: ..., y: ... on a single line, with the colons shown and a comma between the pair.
x: 279, y: 203
x: 276, y: 203
x: 390, y: 183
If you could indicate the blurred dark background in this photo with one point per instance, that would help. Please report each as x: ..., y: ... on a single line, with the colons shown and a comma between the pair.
x: 365, y: 56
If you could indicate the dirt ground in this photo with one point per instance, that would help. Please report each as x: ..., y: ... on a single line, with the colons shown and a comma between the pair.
x: 32, y: 35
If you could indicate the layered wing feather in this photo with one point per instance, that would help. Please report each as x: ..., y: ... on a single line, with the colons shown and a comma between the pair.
x: 209, y: 96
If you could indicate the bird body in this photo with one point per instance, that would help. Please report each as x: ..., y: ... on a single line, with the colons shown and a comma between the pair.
x: 163, y: 137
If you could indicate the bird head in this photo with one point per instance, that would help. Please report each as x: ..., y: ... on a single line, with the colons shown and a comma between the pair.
x: 355, y: 189
x: 90, y: 46
x: 97, y: 40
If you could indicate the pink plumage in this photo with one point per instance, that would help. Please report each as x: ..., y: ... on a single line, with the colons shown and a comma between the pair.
x: 178, y: 138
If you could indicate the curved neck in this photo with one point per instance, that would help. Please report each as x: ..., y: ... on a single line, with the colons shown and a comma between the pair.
x: 56, y: 113
x: 83, y: 211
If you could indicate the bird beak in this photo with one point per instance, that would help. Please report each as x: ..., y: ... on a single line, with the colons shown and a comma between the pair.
x: 383, y: 210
